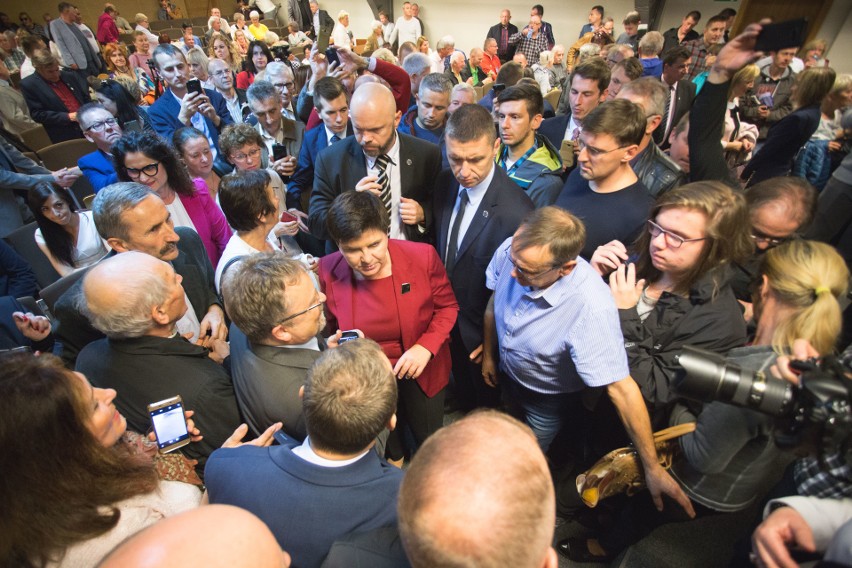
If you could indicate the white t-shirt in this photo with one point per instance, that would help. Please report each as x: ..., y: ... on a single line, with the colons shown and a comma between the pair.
x: 88, y: 249
x: 179, y: 215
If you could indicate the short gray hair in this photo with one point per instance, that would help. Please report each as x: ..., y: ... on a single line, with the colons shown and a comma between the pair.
x: 277, y: 67
x: 437, y: 83
x: 416, y: 62
x: 110, y: 204
x: 255, y: 292
x: 262, y: 90
x: 651, y: 90
x: 651, y: 43
x: 446, y: 41
x: 463, y: 87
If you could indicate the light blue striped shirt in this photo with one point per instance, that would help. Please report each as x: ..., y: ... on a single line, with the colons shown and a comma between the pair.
x: 559, y: 339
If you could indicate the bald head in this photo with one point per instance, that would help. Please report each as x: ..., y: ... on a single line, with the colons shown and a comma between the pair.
x: 232, y: 537
x: 485, y: 470
x: 374, y: 118
x: 130, y: 295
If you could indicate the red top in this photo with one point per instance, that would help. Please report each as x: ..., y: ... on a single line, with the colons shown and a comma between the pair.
x: 375, y: 315
x: 107, y: 30
x: 65, y: 95
x: 244, y: 80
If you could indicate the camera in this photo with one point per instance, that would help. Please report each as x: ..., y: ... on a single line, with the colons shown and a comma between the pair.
x: 281, y: 52
x: 822, y: 402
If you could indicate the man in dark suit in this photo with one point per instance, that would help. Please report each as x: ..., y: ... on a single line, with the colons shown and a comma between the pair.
x: 501, y: 33
x: 132, y: 218
x: 321, y: 25
x: 53, y: 97
x: 679, y: 93
x: 477, y: 206
x: 380, y: 160
x: 177, y: 107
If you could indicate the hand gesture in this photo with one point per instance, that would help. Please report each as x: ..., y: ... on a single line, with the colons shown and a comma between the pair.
x: 219, y: 349
x: 303, y: 217
x: 286, y: 166
x: 411, y: 212
x: 214, y: 322
x: 476, y: 355
x: 659, y: 482
x: 785, y: 527
x: 802, y: 351
x: 737, y: 53
x: 289, y: 229
x: 263, y: 441
x: 34, y: 328
x: 351, y: 62
x: 194, y: 432
x: 189, y: 106
x: 370, y: 183
x: 412, y: 362
x: 626, y: 291
x: 66, y: 177
x: 609, y: 257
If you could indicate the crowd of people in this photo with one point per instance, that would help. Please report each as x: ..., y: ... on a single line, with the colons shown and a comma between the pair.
x: 333, y: 248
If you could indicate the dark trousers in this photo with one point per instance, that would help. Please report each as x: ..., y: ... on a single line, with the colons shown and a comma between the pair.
x: 418, y: 417
x: 470, y: 390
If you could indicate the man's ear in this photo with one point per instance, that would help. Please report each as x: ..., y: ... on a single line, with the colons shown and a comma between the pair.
x: 536, y: 121
x: 398, y: 115
x: 652, y: 123
x: 302, y: 392
x: 568, y: 267
x: 117, y: 244
x: 391, y: 421
x: 630, y: 152
x: 280, y: 333
x: 159, y: 316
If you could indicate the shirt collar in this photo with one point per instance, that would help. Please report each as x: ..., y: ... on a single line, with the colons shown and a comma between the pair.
x: 393, y: 153
x: 312, y: 344
x: 307, y: 453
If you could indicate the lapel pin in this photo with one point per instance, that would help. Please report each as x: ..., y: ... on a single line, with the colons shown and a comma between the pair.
x: 485, y: 214
x: 408, y: 162
x: 406, y: 288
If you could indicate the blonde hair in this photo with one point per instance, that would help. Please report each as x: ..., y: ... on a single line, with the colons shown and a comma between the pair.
x: 745, y: 75
x: 810, y: 277
x: 236, y: 60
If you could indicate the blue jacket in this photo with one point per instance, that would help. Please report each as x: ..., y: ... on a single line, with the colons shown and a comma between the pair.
x: 302, y: 180
x: 98, y: 169
x: 163, y: 115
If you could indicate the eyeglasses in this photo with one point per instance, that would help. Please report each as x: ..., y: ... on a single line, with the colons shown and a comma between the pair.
x: 243, y: 157
x: 672, y: 240
x: 221, y: 73
x: 281, y: 86
x: 527, y: 274
x: 99, y: 126
x: 595, y: 152
x: 150, y: 170
x: 315, y: 306
x: 770, y: 242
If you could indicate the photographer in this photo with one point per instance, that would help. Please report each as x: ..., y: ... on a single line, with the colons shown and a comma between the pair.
x: 726, y: 461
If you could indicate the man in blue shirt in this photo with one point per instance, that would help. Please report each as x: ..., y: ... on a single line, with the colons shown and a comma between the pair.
x: 553, y: 327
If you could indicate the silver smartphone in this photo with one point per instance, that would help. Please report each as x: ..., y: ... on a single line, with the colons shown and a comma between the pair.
x: 169, y: 424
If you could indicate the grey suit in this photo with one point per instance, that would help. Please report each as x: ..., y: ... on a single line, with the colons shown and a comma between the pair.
x: 267, y: 380
x: 16, y: 172
x: 73, y: 51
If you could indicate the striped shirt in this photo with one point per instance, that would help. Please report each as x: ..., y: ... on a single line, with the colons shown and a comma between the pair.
x: 561, y: 338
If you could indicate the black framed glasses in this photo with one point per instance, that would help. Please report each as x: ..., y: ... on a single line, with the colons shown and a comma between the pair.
x: 770, y: 242
x: 281, y: 86
x: 313, y: 307
x: 672, y: 240
x: 150, y: 170
x: 102, y: 124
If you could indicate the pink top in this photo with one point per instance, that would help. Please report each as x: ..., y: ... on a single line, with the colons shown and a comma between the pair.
x: 208, y: 219
x: 140, y: 61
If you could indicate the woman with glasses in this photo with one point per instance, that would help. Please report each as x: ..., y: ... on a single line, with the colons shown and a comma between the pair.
x: 221, y: 47
x: 675, y: 290
x: 256, y: 61
x: 150, y: 160
x: 67, y: 237
x: 118, y: 101
x: 398, y: 294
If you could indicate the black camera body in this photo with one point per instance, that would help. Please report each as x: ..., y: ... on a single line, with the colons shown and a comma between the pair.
x: 822, y: 401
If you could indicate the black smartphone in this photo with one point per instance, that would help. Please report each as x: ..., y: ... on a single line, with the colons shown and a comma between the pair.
x: 348, y: 336
x: 169, y: 424
x: 784, y: 35
x: 279, y: 152
x: 194, y: 86
x: 331, y: 55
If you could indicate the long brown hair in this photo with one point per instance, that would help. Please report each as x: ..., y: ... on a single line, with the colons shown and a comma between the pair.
x: 59, y: 485
x: 727, y: 232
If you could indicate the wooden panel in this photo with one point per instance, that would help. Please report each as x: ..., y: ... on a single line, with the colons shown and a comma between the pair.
x: 782, y: 10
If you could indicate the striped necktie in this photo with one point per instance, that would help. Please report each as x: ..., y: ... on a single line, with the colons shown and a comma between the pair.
x: 384, y: 180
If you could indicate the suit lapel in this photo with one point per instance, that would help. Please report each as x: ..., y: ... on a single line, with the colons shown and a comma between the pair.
x: 406, y: 172
x: 447, y: 212
x: 481, y: 217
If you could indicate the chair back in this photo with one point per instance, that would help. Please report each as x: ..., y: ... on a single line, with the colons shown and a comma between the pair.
x: 23, y: 241
x: 65, y: 154
x: 553, y: 97
x: 160, y: 25
x: 35, y: 138
x: 52, y: 293
x: 199, y: 21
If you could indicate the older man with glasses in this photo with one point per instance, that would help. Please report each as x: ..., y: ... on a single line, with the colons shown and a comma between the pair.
x: 101, y: 128
x: 223, y: 79
x: 282, y: 136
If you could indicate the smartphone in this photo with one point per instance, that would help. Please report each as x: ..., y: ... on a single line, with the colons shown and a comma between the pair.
x: 169, y: 424
x: 194, y: 86
x: 774, y: 37
x: 279, y: 152
x: 132, y: 126
x: 287, y: 217
x: 566, y: 152
x: 331, y: 55
x: 348, y: 336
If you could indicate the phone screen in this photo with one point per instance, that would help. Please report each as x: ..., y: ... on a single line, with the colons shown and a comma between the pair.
x: 347, y: 336
x: 783, y: 35
x: 331, y: 55
x: 170, y: 426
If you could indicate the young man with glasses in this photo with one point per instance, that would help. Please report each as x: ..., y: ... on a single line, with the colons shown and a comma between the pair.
x: 540, y: 285
x: 101, y: 128
x: 603, y: 190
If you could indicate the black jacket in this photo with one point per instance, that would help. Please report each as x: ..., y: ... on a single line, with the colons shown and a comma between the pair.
x: 494, y: 32
x: 656, y: 171
x: 47, y: 108
x: 702, y: 320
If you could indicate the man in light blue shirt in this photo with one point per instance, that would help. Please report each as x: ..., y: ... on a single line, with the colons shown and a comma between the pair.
x: 553, y: 327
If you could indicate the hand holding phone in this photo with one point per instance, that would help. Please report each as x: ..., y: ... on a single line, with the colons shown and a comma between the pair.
x: 331, y: 55
x: 349, y: 335
x: 169, y: 424
x: 194, y: 86
x: 279, y: 152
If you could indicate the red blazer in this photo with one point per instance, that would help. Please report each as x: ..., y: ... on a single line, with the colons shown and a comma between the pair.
x: 427, y: 311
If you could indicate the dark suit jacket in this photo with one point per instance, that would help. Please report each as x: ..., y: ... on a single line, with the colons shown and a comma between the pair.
x: 494, y: 32
x: 267, y: 380
x: 427, y: 309
x: 326, y: 27
x: 500, y: 213
x: 449, y: 75
x: 302, y: 181
x: 192, y: 263
x: 47, y: 109
x: 98, y: 169
x: 684, y: 95
x: 343, y: 165
x: 775, y: 157
x: 163, y: 115
x: 147, y: 369
x: 467, y: 74
x: 554, y: 129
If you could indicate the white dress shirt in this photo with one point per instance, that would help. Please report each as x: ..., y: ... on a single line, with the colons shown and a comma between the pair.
x: 396, y: 231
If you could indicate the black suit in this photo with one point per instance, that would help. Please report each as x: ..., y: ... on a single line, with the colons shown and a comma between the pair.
x: 47, y: 108
x: 341, y: 166
x: 192, y: 263
x: 499, y: 215
x: 684, y: 95
x: 494, y: 32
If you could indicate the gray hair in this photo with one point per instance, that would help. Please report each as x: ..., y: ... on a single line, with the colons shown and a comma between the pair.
x: 84, y: 111
x: 375, y: 25
x: 652, y: 92
x: 110, y: 204
x: 589, y: 50
x: 416, y: 62
x: 262, y: 90
x: 446, y: 41
x: 255, y: 292
x: 545, y: 57
x: 463, y: 87
x: 435, y: 82
x: 274, y: 68
x: 651, y: 43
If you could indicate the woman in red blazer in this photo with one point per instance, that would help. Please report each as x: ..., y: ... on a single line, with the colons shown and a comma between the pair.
x: 398, y: 294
